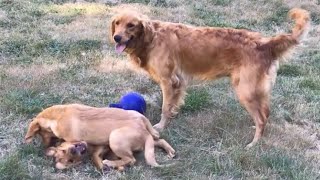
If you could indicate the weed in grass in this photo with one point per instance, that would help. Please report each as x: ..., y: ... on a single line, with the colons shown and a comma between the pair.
x: 196, y: 100
x: 290, y: 70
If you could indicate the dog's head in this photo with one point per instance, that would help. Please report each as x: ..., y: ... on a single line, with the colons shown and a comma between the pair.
x: 127, y: 29
x: 68, y: 154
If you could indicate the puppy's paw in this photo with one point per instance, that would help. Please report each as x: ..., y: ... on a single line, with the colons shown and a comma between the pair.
x: 108, y: 163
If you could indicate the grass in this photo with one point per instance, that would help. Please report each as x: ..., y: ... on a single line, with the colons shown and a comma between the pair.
x: 196, y: 100
x: 12, y: 168
x: 56, y: 52
x: 29, y: 101
x: 290, y: 70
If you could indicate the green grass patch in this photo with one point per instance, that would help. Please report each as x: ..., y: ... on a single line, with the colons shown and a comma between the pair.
x: 196, y: 100
x: 11, y: 167
x: 137, y: 1
x: 23, y: 50
x: 211, y: 18
x: 315, y: 17
x: 63, y: 19
x: 221, y: 2
x: 30, y: 149
x: 286, y: 165
x: 310, y: 84
x: 290, y: 70
x: 56, y: 48
x: 278, y: 17
x: 29, y: 101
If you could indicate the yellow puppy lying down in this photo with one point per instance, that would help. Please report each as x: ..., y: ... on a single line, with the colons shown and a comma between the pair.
x: 122, y: 130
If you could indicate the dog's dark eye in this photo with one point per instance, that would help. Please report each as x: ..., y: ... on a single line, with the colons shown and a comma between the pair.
x: 130, y: 25
x: 117, y: 22
x: 70, y: 161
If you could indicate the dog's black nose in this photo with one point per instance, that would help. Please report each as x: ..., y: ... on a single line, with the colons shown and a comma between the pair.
x: 117, y: 38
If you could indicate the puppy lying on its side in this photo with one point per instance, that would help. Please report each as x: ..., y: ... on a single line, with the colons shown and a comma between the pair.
x: 124, y: 131
x: 69, y: 154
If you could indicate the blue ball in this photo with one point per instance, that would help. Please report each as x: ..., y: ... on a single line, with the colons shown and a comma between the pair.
x: 131, y: 101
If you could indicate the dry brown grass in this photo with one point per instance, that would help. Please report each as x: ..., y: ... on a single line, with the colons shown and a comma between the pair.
x: 55, y: 52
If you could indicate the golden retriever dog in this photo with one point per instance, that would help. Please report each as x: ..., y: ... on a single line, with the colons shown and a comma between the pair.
x: 124, y: 131
x: 174, y: 53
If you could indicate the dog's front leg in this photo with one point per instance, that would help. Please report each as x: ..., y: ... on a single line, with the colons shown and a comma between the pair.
x: 173, y: 92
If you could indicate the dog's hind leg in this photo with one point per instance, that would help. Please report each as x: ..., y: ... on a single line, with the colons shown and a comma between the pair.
x: 121, y: 146
x: 173, y: 93
x: 253, y: 91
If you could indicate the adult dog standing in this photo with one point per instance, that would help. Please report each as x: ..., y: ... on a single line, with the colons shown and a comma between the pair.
x: 173, y: 53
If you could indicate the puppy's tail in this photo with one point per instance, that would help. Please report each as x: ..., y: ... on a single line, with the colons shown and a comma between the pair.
x: 154, y: 133
x: 281, y: 44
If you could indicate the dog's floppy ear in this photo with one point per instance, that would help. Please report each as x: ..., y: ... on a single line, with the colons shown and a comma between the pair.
x: 33, y: 129
x: 111, y: 28
x: 146, y: 29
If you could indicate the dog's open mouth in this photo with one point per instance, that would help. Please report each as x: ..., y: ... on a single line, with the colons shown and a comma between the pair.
x: 120, y: 47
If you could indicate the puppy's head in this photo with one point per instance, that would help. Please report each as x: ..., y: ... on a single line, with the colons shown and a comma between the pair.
x: 127, y: 29
x: 68, y: 154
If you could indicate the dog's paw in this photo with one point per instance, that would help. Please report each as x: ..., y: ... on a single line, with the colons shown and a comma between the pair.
x: 171, y: 154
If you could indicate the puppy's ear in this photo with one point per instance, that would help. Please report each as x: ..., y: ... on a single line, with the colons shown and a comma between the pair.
x: 51, y: 151
x: 111, y: 29
x: 33, y: 129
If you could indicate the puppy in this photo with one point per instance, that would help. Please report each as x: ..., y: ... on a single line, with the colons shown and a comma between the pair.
x: 174, y: 53
x: 69, y: 154
x: 124, y: 130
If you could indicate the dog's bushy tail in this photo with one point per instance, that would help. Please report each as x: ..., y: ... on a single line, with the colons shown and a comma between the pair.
x: 281, y: 44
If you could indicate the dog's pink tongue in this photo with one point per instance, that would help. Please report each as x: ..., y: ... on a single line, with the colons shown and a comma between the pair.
x: 120, y: 48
